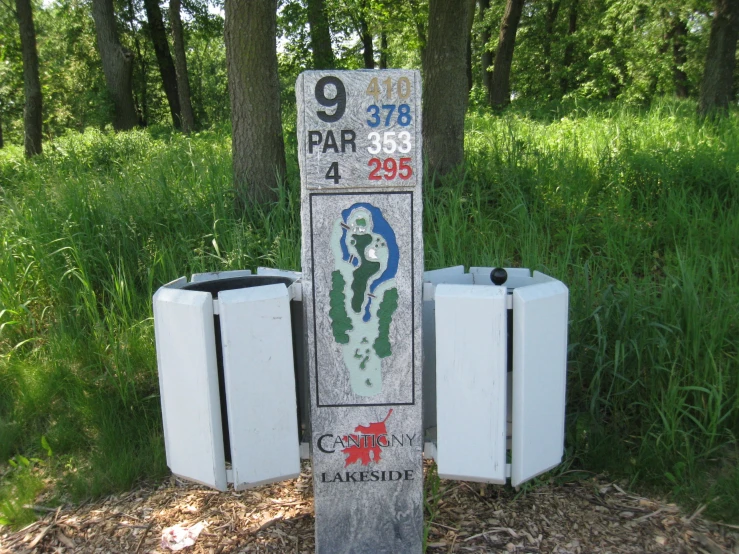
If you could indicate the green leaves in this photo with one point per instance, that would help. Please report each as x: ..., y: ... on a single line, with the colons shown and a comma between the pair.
x: 603, y: 49
x: 45, y: 446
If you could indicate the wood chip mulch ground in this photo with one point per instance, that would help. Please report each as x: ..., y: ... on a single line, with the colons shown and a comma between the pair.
x: 586, y: 516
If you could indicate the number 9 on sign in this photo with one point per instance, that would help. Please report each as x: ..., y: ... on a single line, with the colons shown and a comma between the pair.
x: 338, y: 100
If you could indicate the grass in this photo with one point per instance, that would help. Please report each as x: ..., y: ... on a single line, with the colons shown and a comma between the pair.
x: 636, y: 210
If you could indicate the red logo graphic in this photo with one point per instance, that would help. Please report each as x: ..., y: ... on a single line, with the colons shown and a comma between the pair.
x: 368, y: 443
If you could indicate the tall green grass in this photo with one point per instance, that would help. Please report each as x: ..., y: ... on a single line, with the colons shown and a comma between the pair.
x: 635, y: 210
x: 89, y: 232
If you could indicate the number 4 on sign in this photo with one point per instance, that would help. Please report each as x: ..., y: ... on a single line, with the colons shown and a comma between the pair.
x: 373, y: 89
x: 333, y: 173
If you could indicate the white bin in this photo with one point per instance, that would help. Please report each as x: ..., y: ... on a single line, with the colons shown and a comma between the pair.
x: 488, y: 399
x: 241, y: 323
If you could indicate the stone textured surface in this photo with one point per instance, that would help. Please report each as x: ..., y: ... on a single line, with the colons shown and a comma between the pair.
x: 367, y: 438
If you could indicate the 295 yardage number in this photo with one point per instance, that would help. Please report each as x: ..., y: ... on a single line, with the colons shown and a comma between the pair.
x: 391, y: 168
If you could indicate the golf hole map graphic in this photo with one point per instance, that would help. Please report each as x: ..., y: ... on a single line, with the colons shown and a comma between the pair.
x: 364, y: 278
x: 366, y: 261
x: 359, y: 136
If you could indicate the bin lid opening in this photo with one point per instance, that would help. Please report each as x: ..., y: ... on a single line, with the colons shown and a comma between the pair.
x: 215, y: 286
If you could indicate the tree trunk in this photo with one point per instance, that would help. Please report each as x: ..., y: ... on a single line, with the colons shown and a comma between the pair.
x: 254, y: 88
x: 566, y: 83
x: 468, y: 53
x: 140, y: 102
x: 143, y: 99
x: 551, y: 19
x: 383, y: 50
x: 445, y: 86
x: 167, y: 70
x: 500, y: 94
x: 32, y: 114
x: 486, y: 60
x: 368, y: 51
x: 679, y: 57
x: 718, y: 75
x: 183, y: 80
x: 320, y: 35
x: 117, y: 65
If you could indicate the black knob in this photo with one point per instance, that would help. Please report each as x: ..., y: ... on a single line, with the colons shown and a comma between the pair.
x: 498, y: 276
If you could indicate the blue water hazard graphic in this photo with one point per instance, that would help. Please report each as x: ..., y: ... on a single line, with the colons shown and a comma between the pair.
x: 381, y: 227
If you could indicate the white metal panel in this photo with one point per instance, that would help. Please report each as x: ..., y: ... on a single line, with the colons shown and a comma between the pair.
x: 431, y: 278
x: 177, y: 283
x: 471, y: 382
x: 540, y: 277
x: 278, y: 272
x: 305, y: 451
x: 295, y: 291
x: 448, y: 275
x: 188, y: 383
x: 429, y: 290
x: 212, y: 275
x: 429, y: 450
x: 539, y: 378
x: 260, y: 384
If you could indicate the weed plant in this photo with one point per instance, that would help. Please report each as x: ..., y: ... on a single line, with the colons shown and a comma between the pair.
x: 636, y: 210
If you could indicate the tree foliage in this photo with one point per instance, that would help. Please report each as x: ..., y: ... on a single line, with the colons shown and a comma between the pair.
x: 11, y: 77
x: 630, y: 50
x: 72, y: 79
x: 604, y: 49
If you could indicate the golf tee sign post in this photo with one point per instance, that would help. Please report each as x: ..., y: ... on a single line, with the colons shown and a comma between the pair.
x: 359, y: 146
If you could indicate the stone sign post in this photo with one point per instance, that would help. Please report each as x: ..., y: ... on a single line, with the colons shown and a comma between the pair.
x: 359, y: 135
